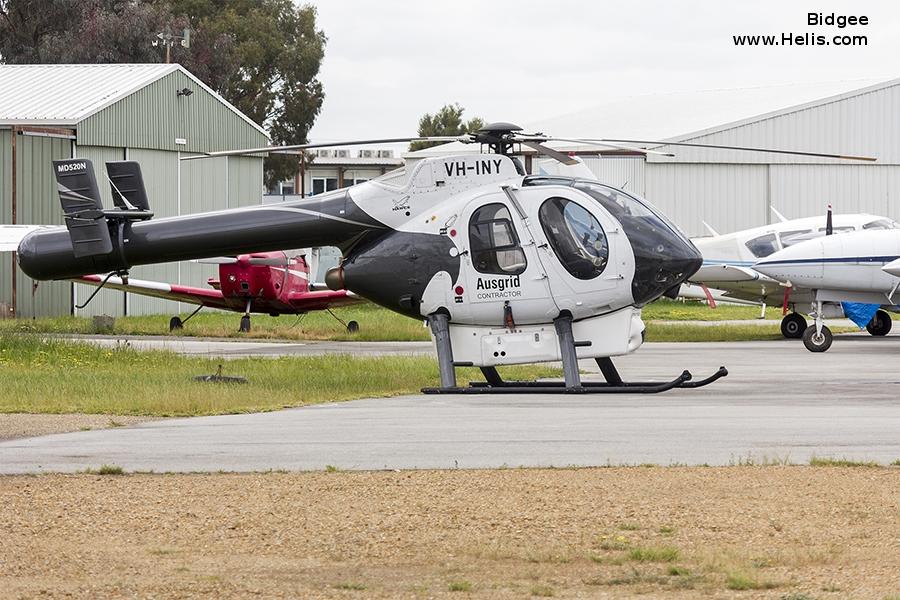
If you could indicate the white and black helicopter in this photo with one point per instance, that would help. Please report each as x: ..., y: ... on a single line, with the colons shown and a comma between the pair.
x: 505, y: 267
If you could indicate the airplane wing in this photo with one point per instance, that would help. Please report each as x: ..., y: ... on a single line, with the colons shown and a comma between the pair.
x: 712, y: 274
x: 320, y: 300
x: 11, y: 235
x: 156, y: 289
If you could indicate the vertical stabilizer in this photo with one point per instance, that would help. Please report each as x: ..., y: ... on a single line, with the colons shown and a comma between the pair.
x: 82, y: 208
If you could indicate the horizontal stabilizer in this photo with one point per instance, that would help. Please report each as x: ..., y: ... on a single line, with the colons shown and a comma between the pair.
x: 127, y: 185
x: 83, y: 210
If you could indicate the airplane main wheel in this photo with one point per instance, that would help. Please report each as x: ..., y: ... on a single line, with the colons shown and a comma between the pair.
x: 817, y: 342
x: 175, y: 324
x: 793, y: 326
x: 352, y: 327
x: 880, y: 324
x: 245, y: 324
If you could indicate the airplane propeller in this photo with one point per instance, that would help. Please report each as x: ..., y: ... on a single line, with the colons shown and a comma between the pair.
x: 501, y: 137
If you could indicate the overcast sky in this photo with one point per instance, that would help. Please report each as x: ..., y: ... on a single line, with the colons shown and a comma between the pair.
x: 387, y: 62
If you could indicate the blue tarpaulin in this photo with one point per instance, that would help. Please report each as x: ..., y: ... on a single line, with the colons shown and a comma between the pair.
x: 859, y: 312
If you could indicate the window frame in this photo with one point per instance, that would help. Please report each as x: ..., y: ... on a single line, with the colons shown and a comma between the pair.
x: 494, y: 249
x: 553, y: 239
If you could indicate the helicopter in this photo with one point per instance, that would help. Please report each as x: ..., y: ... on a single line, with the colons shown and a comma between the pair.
x: 505, y: 267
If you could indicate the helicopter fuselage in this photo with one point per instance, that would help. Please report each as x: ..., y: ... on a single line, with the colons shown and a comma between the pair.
x: 501, y: 254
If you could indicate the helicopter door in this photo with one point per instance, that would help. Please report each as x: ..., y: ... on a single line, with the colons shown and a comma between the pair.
x: 503, y: 266
x: 580, y: 247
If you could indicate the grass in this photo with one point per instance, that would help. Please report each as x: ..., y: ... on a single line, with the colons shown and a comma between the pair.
x: 817, y: 461
x: 59, y: 376
x: 744, y: 580
x: 106, y: 470
x: 654, y: 554
x: 351, y: 586
x: 376, y: 324
x: 544, y: 591
x: 459, y: 586
x: 380, y: 324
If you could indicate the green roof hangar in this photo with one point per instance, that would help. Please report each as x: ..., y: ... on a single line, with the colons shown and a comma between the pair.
x: 152, y: 113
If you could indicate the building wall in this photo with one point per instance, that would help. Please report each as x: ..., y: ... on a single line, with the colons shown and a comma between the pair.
x: 6, y: 260
x: 154, y: 117
x: 37, y: 202
x: 623, y: 172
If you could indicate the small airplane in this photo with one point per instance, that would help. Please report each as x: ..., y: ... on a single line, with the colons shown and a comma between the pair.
x: 505, y: 267
x: 273, y: 283
x: 728, y: 271
x: 859, y: 271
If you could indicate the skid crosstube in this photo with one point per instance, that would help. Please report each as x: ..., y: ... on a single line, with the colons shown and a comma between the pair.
x: 613, y: 384
x: 572, y: 384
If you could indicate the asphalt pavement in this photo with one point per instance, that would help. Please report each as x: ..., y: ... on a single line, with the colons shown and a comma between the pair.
x: 779, y: 403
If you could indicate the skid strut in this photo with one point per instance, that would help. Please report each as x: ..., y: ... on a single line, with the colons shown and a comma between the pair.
x: 494, y: 384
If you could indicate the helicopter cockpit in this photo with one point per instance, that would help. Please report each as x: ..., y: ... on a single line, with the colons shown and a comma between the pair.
x: 663, y: 255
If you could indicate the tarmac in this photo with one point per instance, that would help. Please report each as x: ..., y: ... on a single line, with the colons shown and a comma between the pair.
x: 780, y: 403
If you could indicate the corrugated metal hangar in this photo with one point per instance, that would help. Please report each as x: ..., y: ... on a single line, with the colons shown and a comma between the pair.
x: 154, y: 114
x: 733, y: 190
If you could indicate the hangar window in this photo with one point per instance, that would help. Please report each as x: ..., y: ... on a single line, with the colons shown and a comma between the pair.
x: 324, y: 184
x: 575, y: 236
x: 763, y: 245
x: 494, y: 244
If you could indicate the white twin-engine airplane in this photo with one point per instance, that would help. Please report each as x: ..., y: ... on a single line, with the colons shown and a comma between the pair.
x: 861, y: 268
x: 729, y: 273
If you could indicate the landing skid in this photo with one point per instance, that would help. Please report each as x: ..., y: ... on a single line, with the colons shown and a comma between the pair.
x: 572, y: 384
x: 494, y: 384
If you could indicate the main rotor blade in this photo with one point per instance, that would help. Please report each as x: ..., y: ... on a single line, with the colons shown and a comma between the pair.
x: 296, y: 148
x: 608, y: 145
x: 560, y: 156
x: 744, y: 148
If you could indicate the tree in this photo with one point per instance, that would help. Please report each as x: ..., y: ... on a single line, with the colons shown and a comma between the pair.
x: 447, y: 121
x: 263, y: 56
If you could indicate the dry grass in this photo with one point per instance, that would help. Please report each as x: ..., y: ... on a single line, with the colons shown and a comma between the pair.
x: 504, y: 533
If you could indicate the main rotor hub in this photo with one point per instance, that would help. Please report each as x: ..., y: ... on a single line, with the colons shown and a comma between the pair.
x: 498, y: 136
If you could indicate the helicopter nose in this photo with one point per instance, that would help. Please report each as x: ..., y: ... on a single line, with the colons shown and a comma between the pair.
x: 663, y: 261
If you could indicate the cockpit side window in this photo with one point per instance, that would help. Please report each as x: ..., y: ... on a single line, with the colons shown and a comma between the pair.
x: 763, y: 245
x: 494, y: 244
x: 575, y: 236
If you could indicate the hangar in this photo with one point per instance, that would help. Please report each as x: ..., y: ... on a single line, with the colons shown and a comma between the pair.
x: 733, y: 190
x: 152, y: 113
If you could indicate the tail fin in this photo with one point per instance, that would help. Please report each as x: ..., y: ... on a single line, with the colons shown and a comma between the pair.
x: 127, y: 185
x: 82, y: 208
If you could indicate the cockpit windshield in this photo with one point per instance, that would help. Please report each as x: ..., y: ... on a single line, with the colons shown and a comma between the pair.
x: 882, y: 224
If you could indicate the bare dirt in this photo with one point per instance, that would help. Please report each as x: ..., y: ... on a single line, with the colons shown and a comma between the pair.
x: 778, y: 532
x: 20, y: 425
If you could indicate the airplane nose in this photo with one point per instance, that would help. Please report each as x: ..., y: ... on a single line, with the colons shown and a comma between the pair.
x: 892, y: 268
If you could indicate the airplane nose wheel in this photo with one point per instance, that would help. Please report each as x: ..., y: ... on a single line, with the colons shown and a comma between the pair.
x: 245, y: 324
x: 352, y: 327
x: 817, y: 342
x: 880, y: 324
x: 793, y: 326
